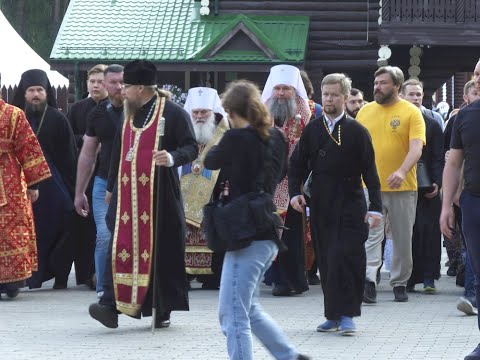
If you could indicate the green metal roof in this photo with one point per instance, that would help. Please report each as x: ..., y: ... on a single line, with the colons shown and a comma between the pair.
x: 165, y: 31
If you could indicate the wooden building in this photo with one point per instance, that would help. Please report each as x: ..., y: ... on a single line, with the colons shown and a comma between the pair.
x: 428, y: 39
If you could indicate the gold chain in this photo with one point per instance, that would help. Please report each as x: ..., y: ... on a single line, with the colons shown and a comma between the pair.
x: 339, y: 141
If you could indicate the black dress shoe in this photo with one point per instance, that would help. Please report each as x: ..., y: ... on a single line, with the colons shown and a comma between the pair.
x: 281, y: 290
x: 210, y: 285
x: 400, y: 294
x: 452, y: 269
x: 104, y: 314
x: 162, y: 321
x: 59, y: 285
x: 13, y: 293
x: 369, y: 293
x: 313, y: 279
x: 303, y: 357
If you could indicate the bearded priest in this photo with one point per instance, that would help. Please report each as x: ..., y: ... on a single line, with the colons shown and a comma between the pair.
x: 199, y: 185
x: 285, y: 95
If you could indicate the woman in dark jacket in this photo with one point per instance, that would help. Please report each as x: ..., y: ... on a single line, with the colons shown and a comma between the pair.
x: 240, y: 154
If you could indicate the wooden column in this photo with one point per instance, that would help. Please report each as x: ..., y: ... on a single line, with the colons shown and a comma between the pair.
x: 187, y: 81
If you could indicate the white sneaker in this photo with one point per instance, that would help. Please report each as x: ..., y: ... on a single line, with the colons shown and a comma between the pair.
x: 465, y: 306
x: 99, y: 294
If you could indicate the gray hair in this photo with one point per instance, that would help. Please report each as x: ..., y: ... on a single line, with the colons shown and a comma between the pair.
x: 338, y: 78
x: 395, y: 73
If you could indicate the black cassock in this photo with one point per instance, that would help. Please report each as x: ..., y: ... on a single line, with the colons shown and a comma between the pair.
x: 179, y: 141
x: 53, y: 211
x: 338, y: 206
x: 427, y: 239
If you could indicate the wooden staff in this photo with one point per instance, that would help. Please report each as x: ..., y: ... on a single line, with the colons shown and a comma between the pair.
x: 161, y: 130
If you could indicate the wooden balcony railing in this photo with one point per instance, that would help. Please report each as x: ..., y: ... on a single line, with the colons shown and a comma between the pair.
x: 430, y: 11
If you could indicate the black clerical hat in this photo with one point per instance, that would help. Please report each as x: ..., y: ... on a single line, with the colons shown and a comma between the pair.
x: 140, y: 72
x: 34, y: 77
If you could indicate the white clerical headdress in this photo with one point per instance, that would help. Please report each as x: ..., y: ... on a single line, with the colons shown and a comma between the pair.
x: 203, y: 98
x: 284, y: 75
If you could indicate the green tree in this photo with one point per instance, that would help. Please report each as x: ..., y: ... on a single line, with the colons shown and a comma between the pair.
x: 37, y: 21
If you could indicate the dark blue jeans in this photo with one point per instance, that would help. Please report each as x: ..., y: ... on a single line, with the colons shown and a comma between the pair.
x: 108, y: 297
x: 470, y: 206
x: 469, y: 277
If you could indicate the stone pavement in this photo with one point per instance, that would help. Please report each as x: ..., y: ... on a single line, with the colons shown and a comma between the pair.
x: 54, y: 324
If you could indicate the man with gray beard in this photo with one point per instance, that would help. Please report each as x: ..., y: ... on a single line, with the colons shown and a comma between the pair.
x: 286, y: 97
x: 282, y: 108
x: 199, y: 185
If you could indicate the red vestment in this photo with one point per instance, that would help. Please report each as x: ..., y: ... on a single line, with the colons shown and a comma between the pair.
x: 134, y: 231
x: 22, y: 164
x: 293, y: 130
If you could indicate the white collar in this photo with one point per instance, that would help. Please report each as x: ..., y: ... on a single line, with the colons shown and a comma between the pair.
x: 337, y: 119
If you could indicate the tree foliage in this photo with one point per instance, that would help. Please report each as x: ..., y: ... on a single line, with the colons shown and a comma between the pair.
x: 37, y: 21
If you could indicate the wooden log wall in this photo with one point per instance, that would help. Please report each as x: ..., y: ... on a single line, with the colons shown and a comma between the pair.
x: 342, y: 37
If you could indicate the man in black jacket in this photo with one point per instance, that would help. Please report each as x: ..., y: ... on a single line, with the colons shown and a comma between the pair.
x: 426, y: 240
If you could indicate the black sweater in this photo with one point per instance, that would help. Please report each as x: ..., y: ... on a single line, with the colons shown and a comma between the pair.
x: 239, y: 154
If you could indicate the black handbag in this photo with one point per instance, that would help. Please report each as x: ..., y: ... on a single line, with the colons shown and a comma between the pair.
x: 232, y: 225
x: 424, y: 181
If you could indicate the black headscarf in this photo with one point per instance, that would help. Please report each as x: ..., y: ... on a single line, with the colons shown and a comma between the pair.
x: 34, y: 77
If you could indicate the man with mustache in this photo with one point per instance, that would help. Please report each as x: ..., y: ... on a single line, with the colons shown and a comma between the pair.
x: 102, y: 124
x: 148, y: 247
x: 354, y: 102
x: 286, y: 97
x: 22, y: 167
x: 53, y: 212
x: 398, y: 134
x: 199, y: 185
x: 339, y: 153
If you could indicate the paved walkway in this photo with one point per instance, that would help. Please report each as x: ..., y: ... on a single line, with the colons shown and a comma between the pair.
x: 54, y: 324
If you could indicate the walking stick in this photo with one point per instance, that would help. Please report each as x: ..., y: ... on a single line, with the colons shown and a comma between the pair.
x: 161, y: 128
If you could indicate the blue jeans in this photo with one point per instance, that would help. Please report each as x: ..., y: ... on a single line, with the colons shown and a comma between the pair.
x: 469, y: 277
x: 103, y: 234
x: 470, y: 205
x: 240, y: 313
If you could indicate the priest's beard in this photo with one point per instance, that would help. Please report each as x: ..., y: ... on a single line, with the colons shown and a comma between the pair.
x: 39, y: 107
x: 282, y: 109
x: 130, y: 107
x: 204, y: 131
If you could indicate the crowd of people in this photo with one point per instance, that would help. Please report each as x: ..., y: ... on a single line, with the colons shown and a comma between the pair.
x: 117, y: 188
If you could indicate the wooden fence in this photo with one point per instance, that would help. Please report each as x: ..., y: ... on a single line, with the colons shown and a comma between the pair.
x: 61, y: 94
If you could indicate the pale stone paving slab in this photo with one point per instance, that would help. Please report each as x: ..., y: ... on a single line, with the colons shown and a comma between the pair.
x: 49, y: 324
